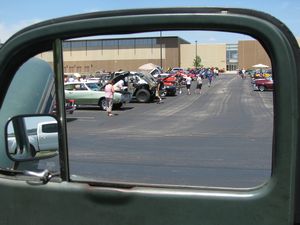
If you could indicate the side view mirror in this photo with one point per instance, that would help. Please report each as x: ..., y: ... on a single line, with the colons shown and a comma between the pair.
x: 31, y: 137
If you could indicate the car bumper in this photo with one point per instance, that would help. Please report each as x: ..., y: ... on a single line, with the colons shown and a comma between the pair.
x: 171, y: 90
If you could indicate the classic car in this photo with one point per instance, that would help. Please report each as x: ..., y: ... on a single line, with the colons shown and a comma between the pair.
x: 263, y: 84
x: 170, y: 85
x: 89, y: 93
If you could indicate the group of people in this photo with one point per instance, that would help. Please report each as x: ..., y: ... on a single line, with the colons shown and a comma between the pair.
x: 110, y: 88
x: 188, y: 83
x: 198, y: 86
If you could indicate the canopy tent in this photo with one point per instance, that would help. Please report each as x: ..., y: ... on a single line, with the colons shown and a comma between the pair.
x: 260, y: 66
x: 148, y: 66
x: 72, y: 74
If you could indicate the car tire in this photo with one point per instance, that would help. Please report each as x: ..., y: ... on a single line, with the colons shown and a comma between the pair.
x: 102, y: 103
x: 142, y: 95
x: 261, y: 88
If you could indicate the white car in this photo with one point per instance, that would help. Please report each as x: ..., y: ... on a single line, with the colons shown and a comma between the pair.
x: 89, y: 93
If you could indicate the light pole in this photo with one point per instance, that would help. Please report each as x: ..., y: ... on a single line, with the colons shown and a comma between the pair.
x: 196, y: 48
x: 161, y: 49
x: 196, y: 60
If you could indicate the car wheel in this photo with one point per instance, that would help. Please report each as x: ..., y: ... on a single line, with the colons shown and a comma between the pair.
x: 102, y: 103
x: 142, y: 95
x: 261, y: 88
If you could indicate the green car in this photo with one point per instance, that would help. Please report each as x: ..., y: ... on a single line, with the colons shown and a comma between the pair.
x: 89, y: 93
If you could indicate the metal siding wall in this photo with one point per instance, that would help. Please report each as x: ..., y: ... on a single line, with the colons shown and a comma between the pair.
x: 251, y: 53
x: 212, y: 55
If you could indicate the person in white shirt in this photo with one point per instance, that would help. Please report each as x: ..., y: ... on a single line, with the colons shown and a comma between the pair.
x: 119, y: 85
x: 188, y: 84
x: 199, y: 84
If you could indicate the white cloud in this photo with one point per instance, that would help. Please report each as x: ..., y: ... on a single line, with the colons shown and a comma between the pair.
x: 6, y: 30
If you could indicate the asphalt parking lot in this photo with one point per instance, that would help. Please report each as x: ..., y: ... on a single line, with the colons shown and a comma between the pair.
x: 222, y: 137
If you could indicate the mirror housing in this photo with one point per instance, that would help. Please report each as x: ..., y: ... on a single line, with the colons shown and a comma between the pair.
x: 31, y: 137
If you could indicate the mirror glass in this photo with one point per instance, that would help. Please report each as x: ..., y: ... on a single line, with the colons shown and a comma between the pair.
x: 32, y: 137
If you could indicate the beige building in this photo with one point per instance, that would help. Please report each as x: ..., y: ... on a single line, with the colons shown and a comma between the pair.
x: 212, y: 55
x: 90, y: 56
x: 250, y: 53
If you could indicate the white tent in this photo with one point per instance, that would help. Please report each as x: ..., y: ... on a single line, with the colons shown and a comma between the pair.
x: 260, y: 66
x: 148, y: 66
x: 72, y: 74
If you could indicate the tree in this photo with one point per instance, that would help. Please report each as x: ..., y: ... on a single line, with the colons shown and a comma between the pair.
x: 197, y: 62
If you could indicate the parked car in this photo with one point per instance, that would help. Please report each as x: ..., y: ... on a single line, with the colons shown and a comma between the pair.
x: 170, y: 85
x: 175, y: 69
x: 142, y: 86
x: 263, y: 84
x: 90, y: 93
x: 70, y: 106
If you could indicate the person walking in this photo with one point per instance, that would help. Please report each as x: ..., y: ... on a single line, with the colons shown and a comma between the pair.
x: 209, y: 77
x: 243, y: 73
x: 188, y: 84
x: 159, y: 87
x: 109, y: 94
x: 199, y: 84
x: 179, y: 80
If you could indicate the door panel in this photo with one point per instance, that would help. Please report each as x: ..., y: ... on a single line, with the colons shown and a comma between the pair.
x: 73, y: 200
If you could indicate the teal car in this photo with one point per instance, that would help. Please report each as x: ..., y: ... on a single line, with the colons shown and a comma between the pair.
x: 89, y: 93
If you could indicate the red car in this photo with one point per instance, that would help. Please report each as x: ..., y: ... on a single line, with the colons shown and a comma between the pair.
x: 170, y: 85
x: 263, y: 84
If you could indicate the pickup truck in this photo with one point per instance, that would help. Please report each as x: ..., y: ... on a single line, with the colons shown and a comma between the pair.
x: 44, y: 138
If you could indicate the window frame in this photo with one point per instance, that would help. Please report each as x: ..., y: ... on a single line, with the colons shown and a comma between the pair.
x: 278, y: 42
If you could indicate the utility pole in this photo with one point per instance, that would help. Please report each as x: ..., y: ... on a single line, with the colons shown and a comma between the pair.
x: 161, y: 49
x: 196, y: 57
x: 196, y: 49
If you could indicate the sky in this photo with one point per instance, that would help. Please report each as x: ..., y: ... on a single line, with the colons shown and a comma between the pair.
x: 16, y: 14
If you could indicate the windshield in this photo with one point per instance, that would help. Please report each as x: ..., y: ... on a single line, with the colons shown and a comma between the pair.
x: 93, y: 86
